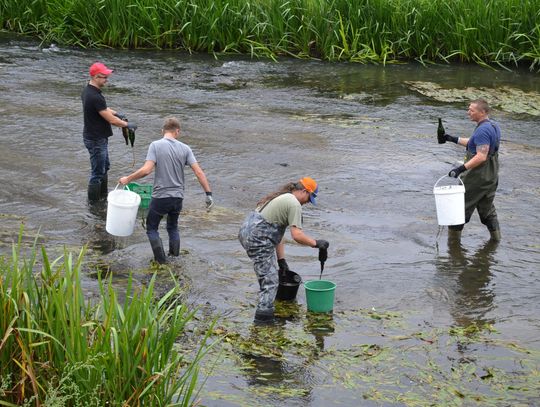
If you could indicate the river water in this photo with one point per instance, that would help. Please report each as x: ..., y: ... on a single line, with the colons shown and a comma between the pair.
x: 368, y: 138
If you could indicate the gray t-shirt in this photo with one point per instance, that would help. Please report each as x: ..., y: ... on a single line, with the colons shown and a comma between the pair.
x: 170, y: 156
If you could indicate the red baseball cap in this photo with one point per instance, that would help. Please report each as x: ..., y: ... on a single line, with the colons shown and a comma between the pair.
x: 99, y: 68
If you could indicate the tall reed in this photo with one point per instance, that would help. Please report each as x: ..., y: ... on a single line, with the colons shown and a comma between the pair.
x: 58, y: 347
x: 380, y: 31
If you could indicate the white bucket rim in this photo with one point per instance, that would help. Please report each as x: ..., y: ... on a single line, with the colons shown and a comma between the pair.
x: 449, y: 189
x: 136, y: 198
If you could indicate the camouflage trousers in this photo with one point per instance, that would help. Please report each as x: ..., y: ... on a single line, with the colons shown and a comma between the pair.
x: 260, y: 239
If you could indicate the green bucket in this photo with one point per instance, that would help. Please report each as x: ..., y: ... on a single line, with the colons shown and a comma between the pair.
x: 144, y: 191
x: 320, y: 295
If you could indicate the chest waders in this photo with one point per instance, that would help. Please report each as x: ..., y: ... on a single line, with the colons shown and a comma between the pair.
x: 260, y: 239
x: 480, y: 187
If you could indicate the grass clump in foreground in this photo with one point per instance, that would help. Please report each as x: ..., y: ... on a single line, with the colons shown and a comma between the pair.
x: 58, y: 349
x: 378, y: 31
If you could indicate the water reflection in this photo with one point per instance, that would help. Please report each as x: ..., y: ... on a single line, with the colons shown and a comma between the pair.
x: 98, y: 238
x: 466, y: 281
x: 265, y: 351
x: 320, y: 326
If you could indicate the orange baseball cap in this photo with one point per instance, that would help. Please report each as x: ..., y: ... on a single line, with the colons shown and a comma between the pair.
x: 312, y: 187
x: 99, y: 68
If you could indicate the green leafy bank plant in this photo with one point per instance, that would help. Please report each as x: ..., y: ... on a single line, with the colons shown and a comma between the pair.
x: 503, y: 32
x: 59, y: 349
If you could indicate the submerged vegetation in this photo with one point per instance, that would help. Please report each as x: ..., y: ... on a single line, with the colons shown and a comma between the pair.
x: 58, y: 348
x: 379, y: 31
x: 373, y: 358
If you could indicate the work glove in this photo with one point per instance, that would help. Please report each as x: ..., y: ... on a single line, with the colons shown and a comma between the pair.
x: 283, y: 266
x: 456, y: 171
x: 209, y: 200
x: 321, y: 244
x: 453, y: 139
x: 131, y: 126
x: 121, y: 116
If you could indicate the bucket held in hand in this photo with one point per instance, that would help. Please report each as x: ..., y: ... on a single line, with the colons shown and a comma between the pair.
x: 320, y: 295
x: 288, y: 286
x: 122, y: 206
x: 450, y: 203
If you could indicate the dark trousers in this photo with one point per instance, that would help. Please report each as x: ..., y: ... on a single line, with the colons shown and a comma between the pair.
x: 99, y: 159
x: 159, y: 207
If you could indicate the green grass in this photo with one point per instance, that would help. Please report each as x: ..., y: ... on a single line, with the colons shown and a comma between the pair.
x: 59, y: 349
x: 379, y: 31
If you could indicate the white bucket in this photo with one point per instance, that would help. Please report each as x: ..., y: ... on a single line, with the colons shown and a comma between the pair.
x: 122, y: 209
x: 450, y: 203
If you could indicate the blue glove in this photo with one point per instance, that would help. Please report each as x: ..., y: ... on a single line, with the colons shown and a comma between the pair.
x: 209, y: 200
x: 132, y: 126
x: 457, y: 171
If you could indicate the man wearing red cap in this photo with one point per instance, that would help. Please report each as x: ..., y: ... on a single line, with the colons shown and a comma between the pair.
x: 262, y: 236
x: 98, y: 119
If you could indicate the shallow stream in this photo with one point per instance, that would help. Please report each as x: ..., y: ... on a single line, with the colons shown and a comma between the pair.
x: 404, y: 300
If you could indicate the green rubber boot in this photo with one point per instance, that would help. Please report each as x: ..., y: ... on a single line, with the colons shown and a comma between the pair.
x: 495, y: 235
x: 454, y: 235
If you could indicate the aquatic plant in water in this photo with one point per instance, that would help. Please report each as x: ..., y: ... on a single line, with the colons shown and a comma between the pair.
x: 370, y: 356
x: 505, y: 98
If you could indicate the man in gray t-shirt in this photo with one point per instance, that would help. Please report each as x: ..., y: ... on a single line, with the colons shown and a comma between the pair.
x: 169, y: 157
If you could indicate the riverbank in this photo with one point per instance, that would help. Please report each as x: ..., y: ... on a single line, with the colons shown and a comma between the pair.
x: 59, y: 347
x: 499, y: 32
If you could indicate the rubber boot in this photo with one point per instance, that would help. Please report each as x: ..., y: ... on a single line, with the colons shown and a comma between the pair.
x: 495, y: 235
x: 94, y: 193
x: 157, y: 249
x: 454, y: 235
x: 104, y: 187
x: 174, y: 248
x: 264, y: 317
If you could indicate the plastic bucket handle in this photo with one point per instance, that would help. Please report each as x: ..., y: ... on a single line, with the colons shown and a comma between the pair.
x: 446, y: 175
x: 124, y: 187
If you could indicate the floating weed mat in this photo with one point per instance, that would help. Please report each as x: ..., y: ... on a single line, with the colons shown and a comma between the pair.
x: 505, y: 98
x: 367, y: 357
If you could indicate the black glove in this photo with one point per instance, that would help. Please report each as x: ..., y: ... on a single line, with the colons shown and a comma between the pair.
x: 321, y: 244
x: 283, y: 266
x: 132, y: 126
x: 453, y: 139
x: 456, y: 171
x: 323, y: 255
x: 121, y: 116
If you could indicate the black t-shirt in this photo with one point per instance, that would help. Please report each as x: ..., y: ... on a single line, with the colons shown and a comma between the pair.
x: 95, y: 126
